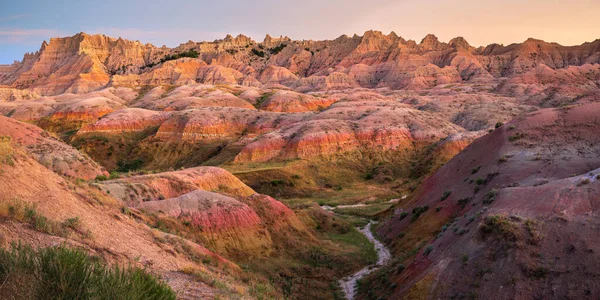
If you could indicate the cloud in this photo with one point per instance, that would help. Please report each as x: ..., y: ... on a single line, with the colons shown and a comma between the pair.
x: 169, y: 37
x: 26, y: 36
x: 13, y: 17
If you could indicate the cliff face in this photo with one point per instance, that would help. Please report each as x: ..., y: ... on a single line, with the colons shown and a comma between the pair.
x: 515, y: 203
x: 83, y: 63
x: 80, y: 63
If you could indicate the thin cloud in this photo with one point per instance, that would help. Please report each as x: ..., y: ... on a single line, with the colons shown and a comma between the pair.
x: 13, y: 17
x: 13, y: 36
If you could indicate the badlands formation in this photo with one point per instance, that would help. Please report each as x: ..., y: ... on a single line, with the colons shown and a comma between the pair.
x: 207, y: 163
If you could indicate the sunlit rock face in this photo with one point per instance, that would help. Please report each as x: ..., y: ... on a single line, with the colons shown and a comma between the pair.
x: 84, y: 63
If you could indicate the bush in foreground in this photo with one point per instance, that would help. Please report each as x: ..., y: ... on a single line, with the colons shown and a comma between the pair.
x: 63, y: 273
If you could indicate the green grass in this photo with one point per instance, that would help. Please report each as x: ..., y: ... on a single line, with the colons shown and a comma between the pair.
x: 368, y: 211
x: 64, y: 273
x: 354, y: 239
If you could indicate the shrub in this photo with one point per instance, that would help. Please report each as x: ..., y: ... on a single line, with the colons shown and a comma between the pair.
x: 400, y: 268
x: 490, y: 196
x: 427, y: 250
x: 500, y: 226
x: 418, y: 211
x: 499, y: 124
x: 403, y: 215
x: 463, y: 202
x: 191, y: 53
x: 101, y: 178
x: 583, y: 182
x: 126, y: 166
x: 6, y: 150
x: 445, y: 195
x: 516, y: 136
x: 277, y: 49
x: 277, y: 182
x: 72, y: 223
x: 475, y: 170
x: 258, y: 53
x: 63, y: 273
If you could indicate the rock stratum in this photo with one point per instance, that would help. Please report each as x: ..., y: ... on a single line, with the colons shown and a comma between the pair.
x: 84, y: 63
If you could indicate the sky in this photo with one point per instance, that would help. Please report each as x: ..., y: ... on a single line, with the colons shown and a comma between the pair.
x: 25, y: 24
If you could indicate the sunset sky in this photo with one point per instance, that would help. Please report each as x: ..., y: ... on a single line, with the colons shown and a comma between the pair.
x: 25, y: 24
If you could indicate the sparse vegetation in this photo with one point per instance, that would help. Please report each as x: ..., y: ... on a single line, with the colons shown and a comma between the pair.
x: 403, y: 215
x: 262, y: 99
x: 190, y: 53
x: 27, y: 213
x: 515, y: 137
x: 63, y: 273
x: 445, y: 195
x: 6, y: 150
x: 277, y: 49
x: 257, y: 52
x: 490, y: 196
x: 583, y: 182
x: 500, y: 226
x: 428, y: 250
x: 463, y: 202
x: 418, y: 211
x: 132, y: 165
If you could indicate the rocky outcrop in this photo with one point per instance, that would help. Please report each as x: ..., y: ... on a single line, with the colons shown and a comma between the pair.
x: 84, y: 63
x: 137, y: 189
x: 348, y: 126
x: 191, y: 96
x: 10, y: 94
x: 288, y: 101
x: 277, y: 75
x: 49, y: 151
x: 126, y: 120
x: 210, y: 123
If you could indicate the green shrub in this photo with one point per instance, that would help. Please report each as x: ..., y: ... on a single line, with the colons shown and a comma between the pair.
x: 126, y: 166
x: 403, y: 215
x: 418, y: 211
x: 428, y: 250
x: 490, y: 196
x: 101, y: 178
x: 277, y: 49
x: 63, y: 273
x: 463, y: 202
x: 516, y: 136
x: 445, y: 195
x: 500, y: 226
x: 258, y: 53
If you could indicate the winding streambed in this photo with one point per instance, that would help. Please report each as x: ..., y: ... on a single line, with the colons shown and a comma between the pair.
x: 383, y: 255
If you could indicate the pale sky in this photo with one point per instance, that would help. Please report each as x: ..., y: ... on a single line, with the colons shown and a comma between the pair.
x: 24, y: 24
